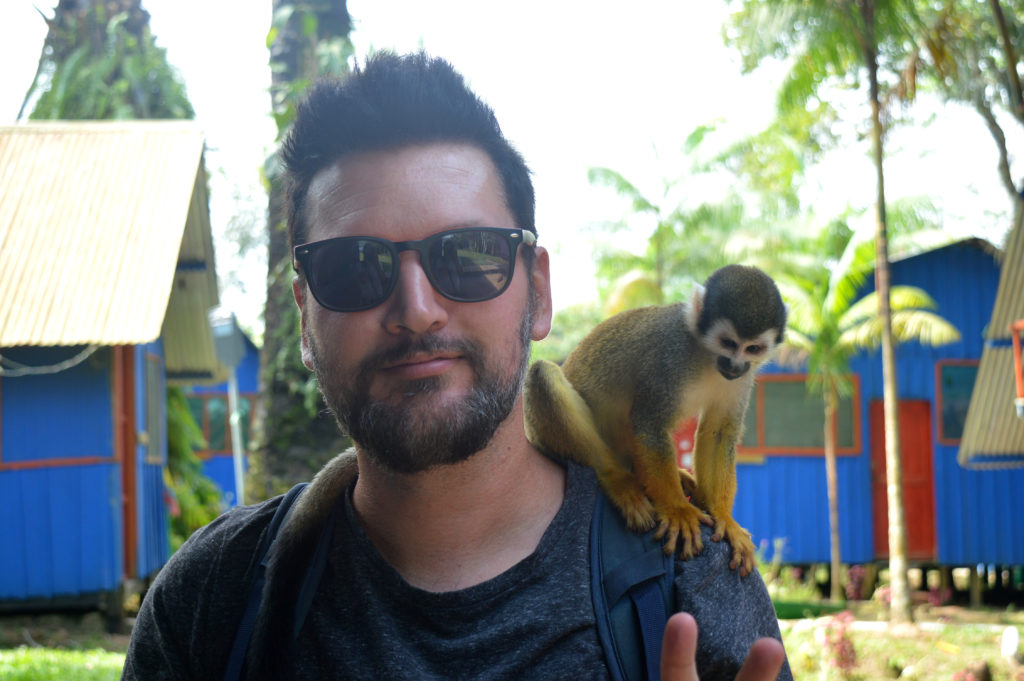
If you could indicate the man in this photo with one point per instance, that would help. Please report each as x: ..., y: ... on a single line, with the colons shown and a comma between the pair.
x: 459, y: 551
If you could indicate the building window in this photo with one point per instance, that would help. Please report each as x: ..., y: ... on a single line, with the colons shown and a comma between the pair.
x: 955, y: 382
x: 210, y: 410
x: 784, y: 418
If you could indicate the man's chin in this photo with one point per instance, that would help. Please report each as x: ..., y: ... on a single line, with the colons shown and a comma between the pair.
x: 430, y: 393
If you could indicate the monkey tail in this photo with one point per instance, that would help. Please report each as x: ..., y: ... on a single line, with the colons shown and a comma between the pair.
x: 560, y: 423
x: 558, y: 420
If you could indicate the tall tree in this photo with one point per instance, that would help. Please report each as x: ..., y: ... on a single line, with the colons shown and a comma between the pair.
x: 99, y: 62
x: 835, y: 42
x: 296, y: 435
x: 971, y: 53
x: 690, y: 238
x: 828, y: 325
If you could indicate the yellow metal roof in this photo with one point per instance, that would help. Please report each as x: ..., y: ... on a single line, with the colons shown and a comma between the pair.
x: 105, y: 238
x: 993, y: 434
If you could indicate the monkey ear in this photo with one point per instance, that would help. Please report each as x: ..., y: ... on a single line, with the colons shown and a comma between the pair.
x: 695, y: 309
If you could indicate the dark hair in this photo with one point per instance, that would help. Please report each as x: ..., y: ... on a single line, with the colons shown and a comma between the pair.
x: 396, y: 101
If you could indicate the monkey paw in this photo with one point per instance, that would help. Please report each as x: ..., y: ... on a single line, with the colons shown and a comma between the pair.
x: 739, y: 539
x: 630, y: 498
x: 680, y: 525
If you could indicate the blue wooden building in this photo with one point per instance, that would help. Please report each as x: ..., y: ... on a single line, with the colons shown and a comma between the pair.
x: 106, y: 276
x: 210, y: 408
x: 956, y: 515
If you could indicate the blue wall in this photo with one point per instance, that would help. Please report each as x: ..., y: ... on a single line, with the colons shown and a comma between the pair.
x: 60, y: 526
x: 153, y: 542
x: 978, y: 514
x: 220, y: 466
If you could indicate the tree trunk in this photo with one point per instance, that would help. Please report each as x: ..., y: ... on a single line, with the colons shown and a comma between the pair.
x: 900, y: 609
x: 1013, y: 79
x: 296, y: 433
x: 832, y: 480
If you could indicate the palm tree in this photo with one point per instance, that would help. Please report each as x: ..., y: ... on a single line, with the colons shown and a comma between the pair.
x: 833, y: 41
x: 690, y: 238
x: 295, y: 437
x: 100, y: 62
x: 828, y: 324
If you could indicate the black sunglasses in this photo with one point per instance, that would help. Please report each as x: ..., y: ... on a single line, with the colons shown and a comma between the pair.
x: 468, y: 265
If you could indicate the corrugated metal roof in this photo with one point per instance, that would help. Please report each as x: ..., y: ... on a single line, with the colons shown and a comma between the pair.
x: 105, y: 238
x: 1009, y: 305
x: 992, y: 429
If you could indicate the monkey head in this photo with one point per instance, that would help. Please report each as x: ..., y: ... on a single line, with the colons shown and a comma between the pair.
x: 739, y: 316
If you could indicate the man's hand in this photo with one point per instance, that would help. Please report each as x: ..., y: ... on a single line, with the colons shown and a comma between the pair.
x: 678, y: 656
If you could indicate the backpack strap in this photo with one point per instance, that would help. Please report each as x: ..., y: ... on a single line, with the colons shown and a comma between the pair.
x: 625, y: 563
x: 233, y: 671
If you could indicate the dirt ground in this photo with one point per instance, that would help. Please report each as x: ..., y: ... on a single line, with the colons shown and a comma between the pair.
x: 88, y: 630
x: 78, y: 631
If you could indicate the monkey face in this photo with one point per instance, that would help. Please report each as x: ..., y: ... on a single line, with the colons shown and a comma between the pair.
x: 731, y: 369
x: 735, y: 355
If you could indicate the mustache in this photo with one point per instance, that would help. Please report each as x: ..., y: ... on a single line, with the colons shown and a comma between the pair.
x: 408, y: 348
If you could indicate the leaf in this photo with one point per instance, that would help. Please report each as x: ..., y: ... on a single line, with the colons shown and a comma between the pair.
x: 610, y: 178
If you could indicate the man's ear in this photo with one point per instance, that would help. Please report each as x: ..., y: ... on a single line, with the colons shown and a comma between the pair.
x: 696, y: 307
x: 542, y: 307
x: 300, y: 291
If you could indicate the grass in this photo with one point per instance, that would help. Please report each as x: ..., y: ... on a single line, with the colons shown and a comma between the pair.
x: 930, y: 651
x: 934, y: 651
x: 51, y: 664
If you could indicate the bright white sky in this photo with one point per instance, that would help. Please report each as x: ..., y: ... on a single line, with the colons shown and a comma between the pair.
x: 574, y: 84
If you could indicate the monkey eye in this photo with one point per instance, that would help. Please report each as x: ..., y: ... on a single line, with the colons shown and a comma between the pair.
x: 728, y: 343
x: 755, y: 349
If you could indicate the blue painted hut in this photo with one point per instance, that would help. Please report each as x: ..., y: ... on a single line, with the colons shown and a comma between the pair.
x: 956, y: 515
x: 209, y: 405
x: 106, y: 276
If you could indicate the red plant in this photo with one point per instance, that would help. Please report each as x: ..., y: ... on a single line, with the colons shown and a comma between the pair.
x: 838, y: 645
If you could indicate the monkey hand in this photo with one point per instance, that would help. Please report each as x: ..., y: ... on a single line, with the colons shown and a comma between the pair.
x: 629, y: 497
x: 742, y: 547
x: 680, y: 524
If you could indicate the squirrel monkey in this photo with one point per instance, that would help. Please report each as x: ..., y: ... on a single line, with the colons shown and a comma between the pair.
x: 621, y: 393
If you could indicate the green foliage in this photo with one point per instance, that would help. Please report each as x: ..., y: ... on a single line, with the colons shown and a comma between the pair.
x: 689, y: 239
x: 49, y: 664
x: 102, y: 67
x: 828, y: 323
x: 198, y: 498
x: 307, y: 40
x: 568, y: 328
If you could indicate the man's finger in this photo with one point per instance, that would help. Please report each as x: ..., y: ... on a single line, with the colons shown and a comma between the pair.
x: 679, y: 650
x: 763, y: 661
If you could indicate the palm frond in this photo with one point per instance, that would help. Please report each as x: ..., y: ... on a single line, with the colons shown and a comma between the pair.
x: 849, y: 274
x: 925, y: 327
x: 607, y: 177
x: 922, y: 326
x: 900, y: 298
x: 634, y: 289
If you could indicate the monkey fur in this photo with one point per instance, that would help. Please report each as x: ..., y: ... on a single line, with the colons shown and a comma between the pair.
x: 616, y: 401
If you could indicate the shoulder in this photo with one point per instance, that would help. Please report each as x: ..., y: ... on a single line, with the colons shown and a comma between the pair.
x: 229, y: 541
x: 731, y: 611
x: 707, y: 581
x: 190, y: 612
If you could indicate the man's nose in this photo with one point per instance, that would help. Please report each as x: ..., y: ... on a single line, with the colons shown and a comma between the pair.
x: 414, y: 306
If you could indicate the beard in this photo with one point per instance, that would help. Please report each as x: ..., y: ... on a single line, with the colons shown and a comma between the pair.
x: 415, y: 433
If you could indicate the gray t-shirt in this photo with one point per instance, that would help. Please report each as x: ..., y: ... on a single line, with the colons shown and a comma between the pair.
x: 534, y: 621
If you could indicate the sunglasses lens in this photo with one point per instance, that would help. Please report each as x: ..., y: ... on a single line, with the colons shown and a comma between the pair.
x: 351, y: 274
x: 471, y: 265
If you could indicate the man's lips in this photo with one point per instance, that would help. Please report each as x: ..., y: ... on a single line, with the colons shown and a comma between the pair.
x: 421, y: 366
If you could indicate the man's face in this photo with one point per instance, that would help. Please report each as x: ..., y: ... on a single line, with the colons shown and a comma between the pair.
x: 419, y: 380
